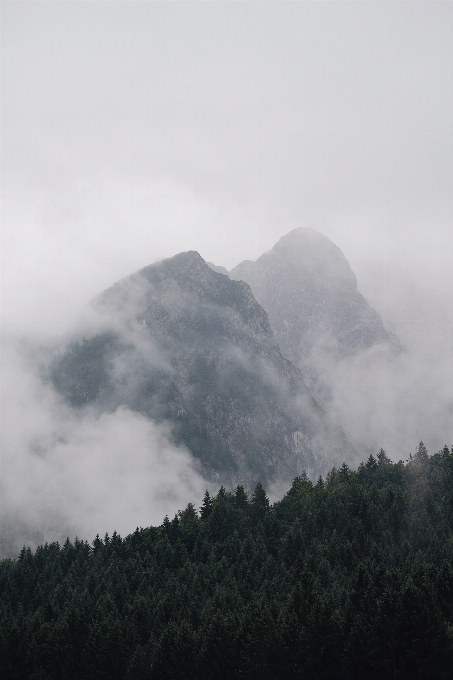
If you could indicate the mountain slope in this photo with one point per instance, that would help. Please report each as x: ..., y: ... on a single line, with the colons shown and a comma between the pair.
x: 184, y: 344
x: 317, y: 315
x: 310, y: 294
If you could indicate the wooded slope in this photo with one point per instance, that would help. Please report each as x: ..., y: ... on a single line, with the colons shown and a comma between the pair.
x: 348, y: 578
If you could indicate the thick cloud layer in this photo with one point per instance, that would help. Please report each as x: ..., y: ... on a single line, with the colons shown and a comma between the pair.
x: 135, y: 130
x: 80, y: 473
x: 396, y: 400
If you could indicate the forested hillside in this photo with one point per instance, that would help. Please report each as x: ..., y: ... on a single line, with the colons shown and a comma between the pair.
x: 350, y: 577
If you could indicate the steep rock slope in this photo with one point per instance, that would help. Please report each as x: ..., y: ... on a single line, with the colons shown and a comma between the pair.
x: 184, y: 344
x: 309, y: 292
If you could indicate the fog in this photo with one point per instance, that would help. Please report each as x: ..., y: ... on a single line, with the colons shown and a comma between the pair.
x: 135, y: 130
x: 394, y: 402
x: 68, y: 472
x: 413, y: 396
x: 389, y: 399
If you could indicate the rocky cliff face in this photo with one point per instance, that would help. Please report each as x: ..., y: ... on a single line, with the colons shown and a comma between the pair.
x: 184, y: 344
x: 310, y: 294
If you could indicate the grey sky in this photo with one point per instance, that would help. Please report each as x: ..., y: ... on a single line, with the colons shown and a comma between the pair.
x: 134, y: 130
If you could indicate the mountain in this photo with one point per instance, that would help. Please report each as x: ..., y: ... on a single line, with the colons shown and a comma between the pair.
x: 216, y: 268
x: 309, y: 292
x: 189, y: 346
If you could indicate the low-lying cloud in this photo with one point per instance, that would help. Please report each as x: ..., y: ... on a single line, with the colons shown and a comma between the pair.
x: 393, y: 400
x: 66, y: 472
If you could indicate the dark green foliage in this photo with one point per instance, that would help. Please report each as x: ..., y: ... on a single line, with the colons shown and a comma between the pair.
x: 350, y: 578
x: 421, y: 452
x: 259, y: 503
x: 240, y: 496
x: 206, y: 508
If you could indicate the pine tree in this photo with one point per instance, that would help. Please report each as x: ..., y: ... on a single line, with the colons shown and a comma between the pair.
x: 344, y: 472
x: 206, y: 508
x: 421, y: 453
x: 371, y: 463
x: 383, y: 459
x: 240, y: 498
x: 259, y: 502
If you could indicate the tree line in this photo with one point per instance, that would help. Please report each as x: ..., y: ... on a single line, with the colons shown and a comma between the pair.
x: 348, y: 578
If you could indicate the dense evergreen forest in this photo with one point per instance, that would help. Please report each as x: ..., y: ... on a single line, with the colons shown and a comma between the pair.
x: 350, y: 577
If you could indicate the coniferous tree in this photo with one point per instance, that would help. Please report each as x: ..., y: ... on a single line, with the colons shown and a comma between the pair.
x: 421, y: 453
x: 259, y: 502
x: 240, y: 498
x: 348, y: 579
x: 344, y: 472
x: 206, y: 508
x: 382, y: 458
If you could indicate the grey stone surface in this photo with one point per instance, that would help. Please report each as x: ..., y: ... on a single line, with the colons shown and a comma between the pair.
x: 184, y: 344
x: 309, y: 292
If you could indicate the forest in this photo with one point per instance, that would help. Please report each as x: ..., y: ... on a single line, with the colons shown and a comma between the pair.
x: 350, y: 577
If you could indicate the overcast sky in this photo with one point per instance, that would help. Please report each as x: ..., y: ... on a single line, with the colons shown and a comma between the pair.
x: 133, y: 130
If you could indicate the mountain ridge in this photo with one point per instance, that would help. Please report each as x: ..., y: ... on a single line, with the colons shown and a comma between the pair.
x: 309, y: 291
x: 184, y: 344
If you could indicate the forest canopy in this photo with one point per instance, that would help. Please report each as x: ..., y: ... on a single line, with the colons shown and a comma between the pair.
x: 350, y: 577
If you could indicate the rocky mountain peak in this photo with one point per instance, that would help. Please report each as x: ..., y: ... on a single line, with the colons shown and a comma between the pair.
x: 186, y: 345
x: 306, y: 251
x: 309, y: 291
x: 187, y: 269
